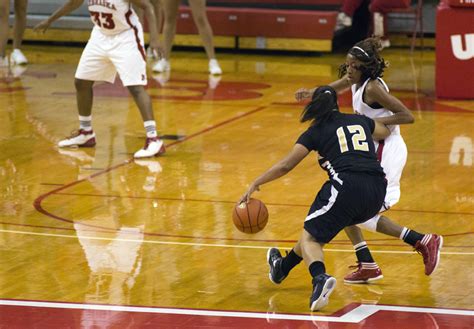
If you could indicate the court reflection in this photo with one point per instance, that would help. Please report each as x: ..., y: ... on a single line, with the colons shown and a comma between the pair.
x: 115, y: 263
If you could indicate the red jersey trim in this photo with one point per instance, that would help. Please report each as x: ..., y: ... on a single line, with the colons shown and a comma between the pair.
x: 135, y: 30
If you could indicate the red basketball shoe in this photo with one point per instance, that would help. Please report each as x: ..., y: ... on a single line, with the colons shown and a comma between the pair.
x: 429, y: 247
x: 365, y: 273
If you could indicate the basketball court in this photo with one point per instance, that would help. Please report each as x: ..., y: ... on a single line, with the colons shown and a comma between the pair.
x: 91, y: 238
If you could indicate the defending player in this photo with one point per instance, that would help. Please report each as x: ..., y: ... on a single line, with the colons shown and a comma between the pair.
x: 370, y: 97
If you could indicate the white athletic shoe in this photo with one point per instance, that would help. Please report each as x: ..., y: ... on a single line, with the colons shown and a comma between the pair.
x: 214, y: 67
x: 80, y: 138
x: 17, y: 57
x: 153, y: 147
x: 385, y: 43
x: 162, y: 66
x: 343, y: 21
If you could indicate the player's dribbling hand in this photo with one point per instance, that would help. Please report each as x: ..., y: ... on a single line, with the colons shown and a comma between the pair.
x: 246, y: 197
x: 302, y: 94
x: 42, y: 26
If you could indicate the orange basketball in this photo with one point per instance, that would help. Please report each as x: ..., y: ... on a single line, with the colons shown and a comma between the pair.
x: 250, y: 217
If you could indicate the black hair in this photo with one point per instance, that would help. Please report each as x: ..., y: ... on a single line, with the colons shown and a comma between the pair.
x: 323, y: 104
x: 367, y: 51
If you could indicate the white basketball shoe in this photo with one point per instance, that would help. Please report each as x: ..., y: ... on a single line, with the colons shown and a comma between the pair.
x: 79, y: 138
x: 214, y: 67
x: 161, y: 66
x: 153, y: 147
x: 18, y: 58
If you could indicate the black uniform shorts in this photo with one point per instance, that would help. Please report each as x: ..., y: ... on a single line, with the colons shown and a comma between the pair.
x: 357, y: 199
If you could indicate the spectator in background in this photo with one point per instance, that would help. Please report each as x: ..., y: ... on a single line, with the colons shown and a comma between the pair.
x: 377, y: 8
x: 198, y: 8
x: 16, y: 57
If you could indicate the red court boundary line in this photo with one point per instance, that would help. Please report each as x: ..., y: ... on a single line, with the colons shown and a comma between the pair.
x: 333, y: 242
x: 233, y: 202
x: 173, y: 307
x: 344, y: 310
x: 37, y: 202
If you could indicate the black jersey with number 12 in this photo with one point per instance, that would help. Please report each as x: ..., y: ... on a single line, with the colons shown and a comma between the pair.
x: 344, y: 144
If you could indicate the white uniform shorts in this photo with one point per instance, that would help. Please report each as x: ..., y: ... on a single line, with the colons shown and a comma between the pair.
x: 393, y: 159
x: 105, y: 55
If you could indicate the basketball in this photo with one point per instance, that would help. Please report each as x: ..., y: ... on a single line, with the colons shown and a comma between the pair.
x: 250, y: 217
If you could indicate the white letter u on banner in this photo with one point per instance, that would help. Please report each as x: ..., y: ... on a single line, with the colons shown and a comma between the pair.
x: 458, y: 50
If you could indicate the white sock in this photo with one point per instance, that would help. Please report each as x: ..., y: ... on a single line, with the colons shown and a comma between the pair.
x: 150, y: 127
x: 85, y: 123
x: 404, y: 233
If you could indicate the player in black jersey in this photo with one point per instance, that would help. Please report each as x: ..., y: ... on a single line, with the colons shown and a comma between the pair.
x: 354, y: 192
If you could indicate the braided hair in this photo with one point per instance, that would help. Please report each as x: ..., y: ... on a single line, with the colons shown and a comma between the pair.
x: 367, y: 51
x: 322, y: 106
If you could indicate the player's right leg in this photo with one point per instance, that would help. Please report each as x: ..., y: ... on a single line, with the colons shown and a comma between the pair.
x: 323, y: 284
x: 4, y: 14
x: 17, y: 57
x: 170, y: 12
x: 198, y: 8
x: 85, y: 136
x: 93, y: 66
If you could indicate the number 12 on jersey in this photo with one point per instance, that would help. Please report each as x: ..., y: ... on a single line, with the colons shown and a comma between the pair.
x: 359, y: 139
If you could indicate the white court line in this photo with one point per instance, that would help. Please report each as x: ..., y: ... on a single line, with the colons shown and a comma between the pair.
x: 356, y: 315
x: 219, y: 245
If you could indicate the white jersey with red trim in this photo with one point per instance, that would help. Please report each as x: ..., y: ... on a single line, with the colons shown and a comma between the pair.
x: 112, y: 16
x: 360, y: 107
x: 392, y: 152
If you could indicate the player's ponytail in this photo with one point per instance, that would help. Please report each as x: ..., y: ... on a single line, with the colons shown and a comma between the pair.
x: 323, y: 104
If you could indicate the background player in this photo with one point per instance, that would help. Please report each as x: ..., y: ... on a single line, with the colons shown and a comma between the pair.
x: 198, y: 9
x: 16, y: 57
x: 116, y: 45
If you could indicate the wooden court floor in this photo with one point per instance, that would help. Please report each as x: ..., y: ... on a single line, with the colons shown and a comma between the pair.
x: 90, y: 238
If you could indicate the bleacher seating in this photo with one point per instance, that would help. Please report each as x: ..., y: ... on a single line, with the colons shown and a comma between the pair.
x: 304, y: 25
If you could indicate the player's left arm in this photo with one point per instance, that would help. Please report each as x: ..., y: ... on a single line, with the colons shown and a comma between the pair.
x: 151, y: 19
x: 281, y: 168
x: 376, y: 93
x: 65, y: 9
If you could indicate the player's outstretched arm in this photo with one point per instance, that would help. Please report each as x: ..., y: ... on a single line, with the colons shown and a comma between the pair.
x: 65, y: 9
x: 281, y: 168
x: 146, y: 5
x: 341, y: 84
x: 338, y: 85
